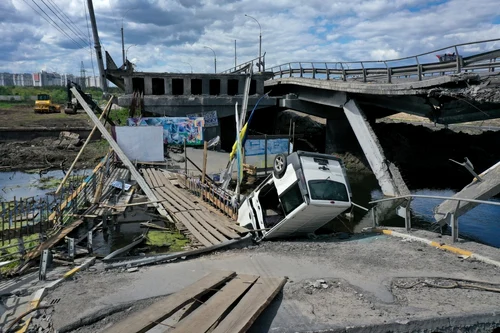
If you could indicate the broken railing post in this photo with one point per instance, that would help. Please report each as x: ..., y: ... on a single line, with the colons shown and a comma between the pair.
x: 204, y: 171
x: 454, y: 223
x: 44, y: 264
x: 408, y: 216
x: 374, y: 216
x: 71, y: 248
x: 185, y: 160
x: 89, y: 241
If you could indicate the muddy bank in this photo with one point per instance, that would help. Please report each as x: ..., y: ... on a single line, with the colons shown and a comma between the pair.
x: 421, y: 153
x: 41, y: 153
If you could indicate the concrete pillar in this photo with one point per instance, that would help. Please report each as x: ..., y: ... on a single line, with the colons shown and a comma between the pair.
x: 241, y: 85
x: 168, y: 86
x: 387, y: 174
x: 223, y: 86
x: 148, y: 85
x: 187, y: 86
x: 340, y: 137
x: 259, y: 87
x: 129, y: 89
x: 205, y: 86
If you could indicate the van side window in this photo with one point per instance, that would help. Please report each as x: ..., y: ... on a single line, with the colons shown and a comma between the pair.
x: 291, y: 199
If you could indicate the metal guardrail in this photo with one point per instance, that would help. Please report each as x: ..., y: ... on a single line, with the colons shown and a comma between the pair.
x: 247, y: 65
x: 360, y: 70
x: 451, y: 217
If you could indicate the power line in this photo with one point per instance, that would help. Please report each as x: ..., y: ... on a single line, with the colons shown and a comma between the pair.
x: 68, y: 19
x: 55, y: 25
x: 71, y: 29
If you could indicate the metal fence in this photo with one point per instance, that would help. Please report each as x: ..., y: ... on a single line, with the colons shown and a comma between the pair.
x: 26, y: 222
x: 451, y: 218
x: 417, y: 67
x: 213, y: 195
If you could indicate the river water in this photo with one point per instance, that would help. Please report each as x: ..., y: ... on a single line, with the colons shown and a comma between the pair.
x: 481, y: 224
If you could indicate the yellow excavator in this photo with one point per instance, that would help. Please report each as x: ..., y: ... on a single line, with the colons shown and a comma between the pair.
x: 43, y: 104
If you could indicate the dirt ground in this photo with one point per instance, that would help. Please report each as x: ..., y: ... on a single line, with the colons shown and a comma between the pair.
x: 44, y: 152
x: 22, y: 115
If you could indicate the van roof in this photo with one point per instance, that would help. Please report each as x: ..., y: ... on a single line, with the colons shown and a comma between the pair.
x: 318, y: 155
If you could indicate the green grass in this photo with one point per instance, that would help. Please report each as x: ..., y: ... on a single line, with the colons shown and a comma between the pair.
x: 119, y: 116
x: 29, y: 241
x: 8, y: 105
x: 47, y: 183
x: 175, y: 240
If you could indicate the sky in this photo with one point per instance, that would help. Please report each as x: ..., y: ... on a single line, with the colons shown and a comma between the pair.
x: 173, y: 35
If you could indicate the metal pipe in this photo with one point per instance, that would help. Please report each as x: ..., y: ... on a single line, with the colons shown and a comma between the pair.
x: 436, y: 197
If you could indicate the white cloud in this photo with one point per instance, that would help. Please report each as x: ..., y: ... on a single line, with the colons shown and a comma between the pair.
x: 170, y: 34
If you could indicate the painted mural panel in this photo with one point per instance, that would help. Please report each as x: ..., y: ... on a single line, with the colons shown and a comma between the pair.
x: 175, y: 129
x: 255, y: 151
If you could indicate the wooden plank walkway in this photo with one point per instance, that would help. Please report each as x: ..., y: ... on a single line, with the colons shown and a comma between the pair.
x: 231, y: 304
x: 204, y: 226
x: 149, y: 317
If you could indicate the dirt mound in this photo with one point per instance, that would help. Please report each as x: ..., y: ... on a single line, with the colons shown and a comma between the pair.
x: 47, y: 152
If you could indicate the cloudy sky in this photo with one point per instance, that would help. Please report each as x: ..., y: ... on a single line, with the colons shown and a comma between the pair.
x: 170, y: 35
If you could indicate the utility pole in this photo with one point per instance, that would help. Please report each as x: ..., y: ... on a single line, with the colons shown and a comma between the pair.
x: 100, y: 62
x: 235, y: 64
x: 82, y: 76
x: 123, y: 46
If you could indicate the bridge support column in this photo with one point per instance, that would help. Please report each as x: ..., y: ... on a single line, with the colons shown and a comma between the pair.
x: 148, y: 85
x: 387, y: 174
x: 187, y: 86
x: 168, y: 86
x: 340, y: 137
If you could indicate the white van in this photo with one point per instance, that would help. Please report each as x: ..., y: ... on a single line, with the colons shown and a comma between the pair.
x: 304, y: 192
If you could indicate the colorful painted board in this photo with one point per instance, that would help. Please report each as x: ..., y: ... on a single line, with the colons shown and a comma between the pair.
x: 175, y: 129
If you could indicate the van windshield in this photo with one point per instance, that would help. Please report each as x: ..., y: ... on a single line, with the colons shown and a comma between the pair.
x: 326, y: 189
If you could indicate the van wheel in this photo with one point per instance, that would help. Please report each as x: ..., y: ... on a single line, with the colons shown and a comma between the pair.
x: 279, y: 165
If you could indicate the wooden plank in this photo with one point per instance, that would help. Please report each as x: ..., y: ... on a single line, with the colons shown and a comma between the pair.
x: 203, y: 318
x: 187, y: 198
x: 219, y: 226
x: 179, y: 204
x: 194, y: 231
x: 53, y: 240
x: 147, y: 318
x: 153, y: 178
x: 154, y: 226
x: 237, y: 228
x: 172, y: 206
x: 202, y: 220
x: 200, y: 227
x: 147, y: 178
x: 156, y: 177
x: 251, y: 306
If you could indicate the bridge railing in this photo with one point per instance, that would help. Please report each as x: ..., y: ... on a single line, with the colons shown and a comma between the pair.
x: 246, y: 65
x: 464, y: 58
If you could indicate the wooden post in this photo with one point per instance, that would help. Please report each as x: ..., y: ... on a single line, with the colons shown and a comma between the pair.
x: 3, y: 223
x: 204, y: 171
x: 185, y: 160
x: 103, y: 114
